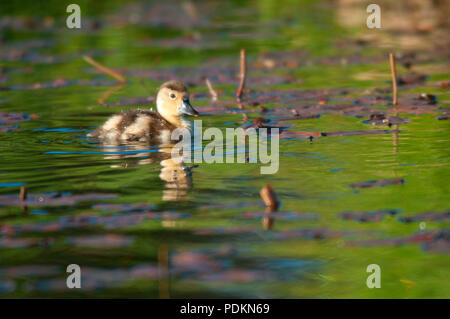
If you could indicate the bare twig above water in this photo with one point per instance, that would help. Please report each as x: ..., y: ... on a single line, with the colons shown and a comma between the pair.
x: 106, y: 95
x: 242, y: 76
x: 104, y: 69
x: 211, y: 90
x: 394, y: 79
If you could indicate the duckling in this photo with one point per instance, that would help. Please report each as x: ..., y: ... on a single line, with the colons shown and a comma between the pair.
x: 172, y: 103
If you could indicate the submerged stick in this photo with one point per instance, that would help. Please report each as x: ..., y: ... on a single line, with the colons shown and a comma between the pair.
x: 211, y: 90
x: 394, y: 79
x: 242, y: 76
x: 23, y: 193
x: 104, y: 69
x: 270, y: 200
x: 23, y: 197
x: 163, y: 271
x: 267, y: 223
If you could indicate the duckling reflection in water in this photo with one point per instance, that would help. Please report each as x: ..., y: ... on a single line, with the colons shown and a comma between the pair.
x: 176, y: 175
x: 150, y: 132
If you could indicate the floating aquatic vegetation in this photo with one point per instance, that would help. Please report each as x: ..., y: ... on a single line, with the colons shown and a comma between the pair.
x: 215, y: 206
x: 8, y: 128
x: 115, y: 207
x: 429, y: 98
x: 220, y: 231
x: 101, y: 241
x: 300, y: 134
x: 360, y: 132
x: 14, y: 243
x: 89, y: 220
x: 32, y: 56
x: 51, y: 199
x: 377, y: 183
x: 288, y: 216
x: 427, y: 216
x: 411, y: 78
x: 368, y: 216
x: 29, y: 271
x: 225, y: 265
x: 445, y: 116
x: 382, y: 119
x: 97, y: 278
x: 437, y: 241
x: 11, y: 118
x: 318, y: 233
x: 440, y: 243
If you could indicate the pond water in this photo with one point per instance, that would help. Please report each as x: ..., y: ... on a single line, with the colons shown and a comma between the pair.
x: 136, y: 231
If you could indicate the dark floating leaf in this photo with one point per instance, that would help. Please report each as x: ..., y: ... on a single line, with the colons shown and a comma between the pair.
x: 411, y: 78
x: 444, y: 116
x: 396, y: 120
x: 406, y: 59
x: 429, y: 98
x: 382, y: 119
x: 377, y: 183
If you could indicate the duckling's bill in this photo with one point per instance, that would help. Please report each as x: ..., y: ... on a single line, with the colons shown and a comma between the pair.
x: 186, y: 108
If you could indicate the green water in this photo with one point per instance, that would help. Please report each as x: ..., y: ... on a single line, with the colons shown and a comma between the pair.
x: 207, y: 243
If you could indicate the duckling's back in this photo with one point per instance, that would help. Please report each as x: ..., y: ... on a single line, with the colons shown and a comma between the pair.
x: 135, y: 125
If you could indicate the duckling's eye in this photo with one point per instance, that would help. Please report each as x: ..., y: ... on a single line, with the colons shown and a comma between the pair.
x: 172, y: 96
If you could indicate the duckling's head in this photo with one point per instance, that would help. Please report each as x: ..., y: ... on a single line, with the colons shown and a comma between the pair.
x: 172, y: 102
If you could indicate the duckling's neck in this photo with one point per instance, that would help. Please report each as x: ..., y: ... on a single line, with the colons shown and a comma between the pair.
x: 177, y: 121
